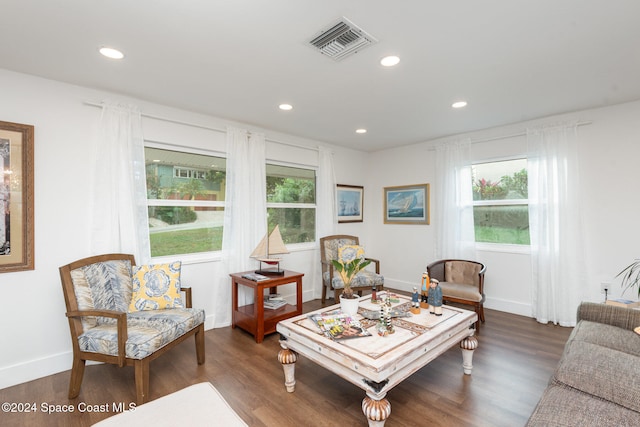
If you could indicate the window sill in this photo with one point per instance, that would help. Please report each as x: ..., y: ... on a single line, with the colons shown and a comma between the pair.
x: 506, y: 248
x: 199, y: 258
x: 216, y: 256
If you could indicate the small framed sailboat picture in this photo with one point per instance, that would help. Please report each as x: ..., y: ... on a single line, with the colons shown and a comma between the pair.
x: 407, y: 204
x: 349, y: 202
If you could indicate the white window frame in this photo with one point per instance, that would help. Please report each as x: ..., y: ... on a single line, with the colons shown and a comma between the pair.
x: 501, y: 247
x: 191, y: 258
x: 294, y: 247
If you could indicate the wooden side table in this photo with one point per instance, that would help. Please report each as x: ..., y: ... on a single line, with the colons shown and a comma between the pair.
x: 253, y: 318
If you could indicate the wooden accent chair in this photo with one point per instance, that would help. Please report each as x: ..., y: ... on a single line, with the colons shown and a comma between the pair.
x: 462, y: 282
x: 107, y: 327
x: 331, y: 281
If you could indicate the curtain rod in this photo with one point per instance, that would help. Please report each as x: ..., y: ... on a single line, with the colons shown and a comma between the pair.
x: 495, y: 138
x: 196, y: 125
x: 513, y: 135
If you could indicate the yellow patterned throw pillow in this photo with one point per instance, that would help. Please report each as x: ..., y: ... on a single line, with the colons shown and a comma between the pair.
x: 156, y: 287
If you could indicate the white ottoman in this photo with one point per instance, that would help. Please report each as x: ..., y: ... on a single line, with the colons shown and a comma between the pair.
x: 195, y: 406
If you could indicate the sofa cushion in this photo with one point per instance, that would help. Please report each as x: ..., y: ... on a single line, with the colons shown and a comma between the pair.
x: 331, y: 247
x: 147, y: 331
x: 156, y: 287
x: 462, y: 272
x: 103, y: 286
x: 607, y: 336
x: 362, y: 278
x: 459, y: 290
x: 564, y: 406
x: 600, y: 371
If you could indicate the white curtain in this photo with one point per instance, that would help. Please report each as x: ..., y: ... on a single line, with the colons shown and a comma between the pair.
x: 454, y: 202
x: 119, y: 199
x: 326, y: 219
x: 245, y: 214
x: 555, y: 224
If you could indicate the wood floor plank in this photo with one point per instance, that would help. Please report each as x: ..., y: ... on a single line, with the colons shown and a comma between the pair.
x: 511, y: 367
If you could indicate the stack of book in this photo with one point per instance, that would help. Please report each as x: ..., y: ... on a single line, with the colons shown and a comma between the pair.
x: 274, y: 302
x: 620, y: 302
x: 255, y: 277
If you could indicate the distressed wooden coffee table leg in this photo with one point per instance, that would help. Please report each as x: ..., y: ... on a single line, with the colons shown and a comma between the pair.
x: 468, y: 345
x: 288, y: 359
x: 377, y: 409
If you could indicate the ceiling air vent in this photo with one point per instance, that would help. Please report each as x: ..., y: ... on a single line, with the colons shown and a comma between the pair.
x: 341, y: 40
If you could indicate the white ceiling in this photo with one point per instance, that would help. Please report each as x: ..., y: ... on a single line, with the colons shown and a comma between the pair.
x: 512, y: 60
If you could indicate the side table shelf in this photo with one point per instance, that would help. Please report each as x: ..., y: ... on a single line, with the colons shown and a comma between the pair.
x: 254, y: 318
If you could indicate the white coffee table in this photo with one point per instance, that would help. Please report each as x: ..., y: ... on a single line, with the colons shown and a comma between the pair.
x: 376, y: 364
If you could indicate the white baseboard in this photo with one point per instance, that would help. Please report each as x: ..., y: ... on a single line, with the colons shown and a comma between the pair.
x: 513, y: 307
x: 34, y: 369
x: 507, y: 306
x: 50, y: 365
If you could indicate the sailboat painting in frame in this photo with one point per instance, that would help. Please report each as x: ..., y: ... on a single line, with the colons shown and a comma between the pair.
x: 407, y: 204
x: 270, y: 245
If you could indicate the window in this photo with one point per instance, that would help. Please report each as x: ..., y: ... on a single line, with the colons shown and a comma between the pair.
x: 189, y: 173
x: 185, y: 194
x: 291, y: 202
x: 500, y: 202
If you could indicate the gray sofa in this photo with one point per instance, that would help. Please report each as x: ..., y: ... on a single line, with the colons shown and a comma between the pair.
x: 597, y: 381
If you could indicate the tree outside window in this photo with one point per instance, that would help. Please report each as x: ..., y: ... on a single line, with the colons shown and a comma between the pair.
x: 500, y: 202
x: 291, y: 198
x: 185, y: 194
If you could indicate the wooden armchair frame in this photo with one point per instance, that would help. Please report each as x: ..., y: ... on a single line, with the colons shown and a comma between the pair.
x: 436, y: 270
x: 141, y: 366
x: 327, y: 266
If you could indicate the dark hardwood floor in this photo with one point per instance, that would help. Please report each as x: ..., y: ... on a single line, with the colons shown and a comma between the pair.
x: 511, y: 368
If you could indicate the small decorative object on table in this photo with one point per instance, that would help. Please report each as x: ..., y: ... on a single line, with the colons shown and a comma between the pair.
x: 271, y: 244
x: 435, y: 297
x: 385, y: 327
x: 415, y: 301
x: 425, y: 290
x: 350, y: 261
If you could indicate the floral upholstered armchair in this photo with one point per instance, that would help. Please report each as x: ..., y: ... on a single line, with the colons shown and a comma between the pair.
x: 331, y: 281
x: 127, y: 315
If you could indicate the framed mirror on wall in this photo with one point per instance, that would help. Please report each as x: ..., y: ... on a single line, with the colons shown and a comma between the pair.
x: 16, y: 197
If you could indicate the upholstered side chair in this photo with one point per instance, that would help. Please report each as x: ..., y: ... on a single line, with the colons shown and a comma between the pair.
x: 462, y: 282
x: 364, y: 280
x: 111, y: 321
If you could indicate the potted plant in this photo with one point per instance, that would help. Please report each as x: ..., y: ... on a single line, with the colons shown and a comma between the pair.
x: 631, y: 276
x: 350, y: 261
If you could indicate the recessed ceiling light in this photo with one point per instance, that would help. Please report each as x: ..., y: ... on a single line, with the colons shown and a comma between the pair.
x: 361, y: 130
x: 390, y: 61
x: 285, y: 107
x: 111, y: 53
x: 459, y: 104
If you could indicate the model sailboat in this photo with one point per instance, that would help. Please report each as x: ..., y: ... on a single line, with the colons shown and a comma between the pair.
x: 271, y: 244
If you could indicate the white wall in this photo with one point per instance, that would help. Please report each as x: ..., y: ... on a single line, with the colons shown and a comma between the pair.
x: 35, y: 334
x: 609, y: 153
x: 35, y: 337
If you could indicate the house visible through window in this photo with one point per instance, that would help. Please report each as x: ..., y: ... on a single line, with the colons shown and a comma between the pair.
x: 291, y: 202
x: 500, y: 202
x: 189, y: 173
x: 185, y: 194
